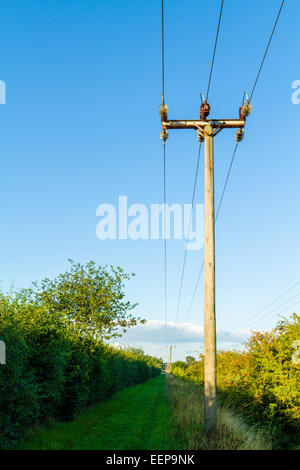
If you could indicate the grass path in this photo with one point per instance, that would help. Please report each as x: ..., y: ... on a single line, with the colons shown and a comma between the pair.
x: 138, y: 417
x: 148, y: 416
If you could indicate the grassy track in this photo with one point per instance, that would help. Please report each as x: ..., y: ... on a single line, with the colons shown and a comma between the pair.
x: 138, y: 417
x: 186, y: 401
x: 148, y: 416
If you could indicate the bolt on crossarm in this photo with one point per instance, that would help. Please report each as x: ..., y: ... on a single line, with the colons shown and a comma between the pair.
x: 207, y: 129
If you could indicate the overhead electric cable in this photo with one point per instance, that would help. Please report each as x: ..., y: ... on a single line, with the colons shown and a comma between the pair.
x: 188, y: 236
x: 251, y: 96
x: 208, y: 89
x: 280, y: 313
x: 266, y: 51
x: 216, y: 217
x: 249, y: 320
x: 164, y: 170
x: 162, y: 48
x: 165, y: 246
x: 214, y: 52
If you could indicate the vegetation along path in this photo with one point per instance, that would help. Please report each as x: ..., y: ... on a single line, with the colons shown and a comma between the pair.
x: 138, y: 417
x: 164, y: 413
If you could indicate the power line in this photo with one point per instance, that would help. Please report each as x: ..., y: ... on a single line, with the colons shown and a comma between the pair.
x: 251, y: 96
x: 264, y: 319
x: 164, y: 167
x: 188, y: 236
x: 214, y: 53
x: 267, y: 315
x: 266, y: 51
x: 217, y: 214
x: 226, y: 181
x: 234, y: 153
x: 280, y: 313
x: 165, y: 242
x: 162, y: 48
x: 246, y: 322
x: 208, y: 89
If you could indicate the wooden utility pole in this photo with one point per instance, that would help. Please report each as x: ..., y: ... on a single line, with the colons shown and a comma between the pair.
x: 170, y: 358
x: 210, y: 405
x: 207, y: 129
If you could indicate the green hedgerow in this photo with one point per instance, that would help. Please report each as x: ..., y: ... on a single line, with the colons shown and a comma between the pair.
x: 57, y: 361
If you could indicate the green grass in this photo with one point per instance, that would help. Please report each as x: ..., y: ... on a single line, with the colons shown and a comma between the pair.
x: 232, y: 433
x: 138, y: 417
x: 148, y: 416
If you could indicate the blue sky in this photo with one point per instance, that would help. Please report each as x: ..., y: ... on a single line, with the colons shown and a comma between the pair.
x: 81, y: 127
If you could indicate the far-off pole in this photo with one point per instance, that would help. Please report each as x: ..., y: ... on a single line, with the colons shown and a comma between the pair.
x: 171, y: 348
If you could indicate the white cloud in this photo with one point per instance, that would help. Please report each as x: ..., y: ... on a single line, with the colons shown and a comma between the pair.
x: 154, y: 332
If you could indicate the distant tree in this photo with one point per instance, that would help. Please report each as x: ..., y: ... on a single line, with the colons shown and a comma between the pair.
x: 189, y: 360
x: 90, y: 298
x: 180, y: 364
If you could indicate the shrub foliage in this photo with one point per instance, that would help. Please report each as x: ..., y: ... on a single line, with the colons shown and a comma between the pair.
x: 57, y: 360
x: 263, y: 382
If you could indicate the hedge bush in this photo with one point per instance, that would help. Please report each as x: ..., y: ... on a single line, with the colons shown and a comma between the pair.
x: 52, y: 370
x: 262, y: 382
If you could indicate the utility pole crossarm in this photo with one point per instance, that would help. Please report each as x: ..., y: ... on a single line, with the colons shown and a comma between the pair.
x: 196, y: 124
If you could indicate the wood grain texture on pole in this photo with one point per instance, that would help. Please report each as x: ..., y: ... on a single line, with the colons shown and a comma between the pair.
x: 210, y: 406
